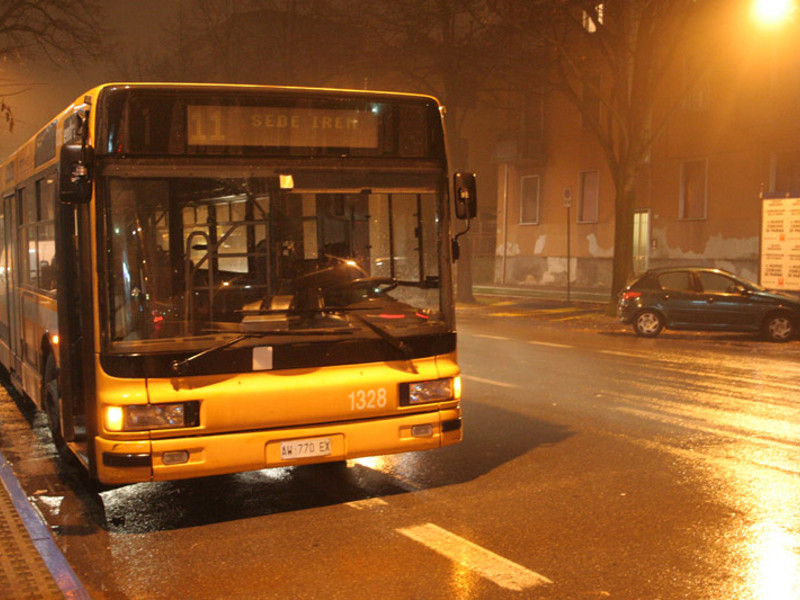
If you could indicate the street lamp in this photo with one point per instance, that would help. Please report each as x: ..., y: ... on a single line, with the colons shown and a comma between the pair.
x: 773, y: 12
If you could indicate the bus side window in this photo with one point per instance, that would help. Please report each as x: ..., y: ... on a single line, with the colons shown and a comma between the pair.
x: 29, y: 262
x: 37, y: 235
x: 46, y: 233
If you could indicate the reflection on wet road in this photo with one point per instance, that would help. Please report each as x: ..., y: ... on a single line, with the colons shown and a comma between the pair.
x: 734, y: 416
x: 743, y: 422
x: 595, y: 465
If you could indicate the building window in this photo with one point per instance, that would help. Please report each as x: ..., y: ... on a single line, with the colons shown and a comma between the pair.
x: 529, y: 200
x: 588, y: 196
x: 533, y: 124
x: 694, y: 184
x: 785, y: 175
x: 590, y: 101
x: 697, y: 84
x: 591, y: 20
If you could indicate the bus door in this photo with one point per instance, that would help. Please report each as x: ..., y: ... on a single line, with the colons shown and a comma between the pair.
x: 5, y: 290
x: 74, y: 281
x: 12, y: 283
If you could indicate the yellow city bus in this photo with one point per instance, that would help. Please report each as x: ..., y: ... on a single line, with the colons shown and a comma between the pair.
x: 206, y: 279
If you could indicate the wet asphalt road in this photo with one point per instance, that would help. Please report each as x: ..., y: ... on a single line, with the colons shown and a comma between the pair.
x: 595, y: 465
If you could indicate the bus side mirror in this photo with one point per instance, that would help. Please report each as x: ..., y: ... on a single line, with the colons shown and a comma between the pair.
x: 466, y: 198
x: 75, y: 173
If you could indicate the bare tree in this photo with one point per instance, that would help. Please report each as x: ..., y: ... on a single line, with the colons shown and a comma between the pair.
x: 280, y: 42
x: 452, y: 49
x: 611, y: 60
x: 64, y: 31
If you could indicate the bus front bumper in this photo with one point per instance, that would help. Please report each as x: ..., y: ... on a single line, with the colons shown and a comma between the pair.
x: 121, y: 462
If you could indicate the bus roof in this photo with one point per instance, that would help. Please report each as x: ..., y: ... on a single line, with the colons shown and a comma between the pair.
x: 287, y: 90
x: 24, y: 154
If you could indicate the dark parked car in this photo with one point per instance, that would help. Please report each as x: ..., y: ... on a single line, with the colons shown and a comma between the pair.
x: 706, y: 299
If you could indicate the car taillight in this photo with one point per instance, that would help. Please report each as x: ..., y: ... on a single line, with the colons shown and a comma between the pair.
x: 631, y: 295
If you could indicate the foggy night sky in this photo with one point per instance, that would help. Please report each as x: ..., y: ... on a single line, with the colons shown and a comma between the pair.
x: 136, y: 25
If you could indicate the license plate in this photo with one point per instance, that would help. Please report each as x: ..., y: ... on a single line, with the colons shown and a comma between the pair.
x: 294, y: 449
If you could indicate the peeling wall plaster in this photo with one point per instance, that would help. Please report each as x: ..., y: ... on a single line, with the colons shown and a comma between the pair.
x: 596, y: 250
x: 555, y: 266
x: 717, y: 248
x: 594, y: 268
x: 731, y: 254
x: 512, y: 249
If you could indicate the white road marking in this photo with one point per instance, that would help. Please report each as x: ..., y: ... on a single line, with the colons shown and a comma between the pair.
x: 493, y: 567
x: 367, y: 503
x: 617, y: 353
x: 491, y: 337
x: 550, y: 344
x: 490, y: 381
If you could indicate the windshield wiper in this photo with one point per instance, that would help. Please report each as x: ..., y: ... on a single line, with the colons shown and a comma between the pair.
x: 180, y: 367
x: 393, y: 341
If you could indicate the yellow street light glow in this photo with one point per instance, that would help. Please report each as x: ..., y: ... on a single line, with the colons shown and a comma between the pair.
x: 773, y: 12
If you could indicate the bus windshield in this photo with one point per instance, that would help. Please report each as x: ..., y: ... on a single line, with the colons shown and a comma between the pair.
x: 191, y: 256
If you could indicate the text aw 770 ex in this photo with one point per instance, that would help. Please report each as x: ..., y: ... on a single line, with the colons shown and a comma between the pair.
x: 206, y: 279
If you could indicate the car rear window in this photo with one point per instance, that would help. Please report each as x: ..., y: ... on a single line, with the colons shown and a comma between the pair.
x: 645, y: 282
x: 677, y: 280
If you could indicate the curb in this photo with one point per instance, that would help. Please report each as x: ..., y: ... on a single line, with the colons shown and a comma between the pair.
x: 55, y: 562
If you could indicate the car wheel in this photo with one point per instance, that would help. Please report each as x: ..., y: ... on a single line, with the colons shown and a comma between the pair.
x: 648, y: 323
x: 778, y: 327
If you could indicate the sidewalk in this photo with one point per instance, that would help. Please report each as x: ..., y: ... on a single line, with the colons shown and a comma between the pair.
x: 31, y: 564
x: 557, y: 294
x: 586, y: 309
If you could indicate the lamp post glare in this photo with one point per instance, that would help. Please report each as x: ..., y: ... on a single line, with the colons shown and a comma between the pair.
x: 773, y: 12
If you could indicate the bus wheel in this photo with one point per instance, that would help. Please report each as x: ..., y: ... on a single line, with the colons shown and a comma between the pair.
x: 50, y: 401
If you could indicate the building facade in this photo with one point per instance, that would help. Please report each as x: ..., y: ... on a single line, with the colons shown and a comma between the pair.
x: 734, y: 137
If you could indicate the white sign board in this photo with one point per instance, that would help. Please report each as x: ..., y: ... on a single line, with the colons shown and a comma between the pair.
x: 780, y: 244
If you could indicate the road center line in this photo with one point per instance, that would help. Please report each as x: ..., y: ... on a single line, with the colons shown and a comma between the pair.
x: 490, y: 381
x: 493, y: 567
x: 618, y: 353
x: 550, y: 344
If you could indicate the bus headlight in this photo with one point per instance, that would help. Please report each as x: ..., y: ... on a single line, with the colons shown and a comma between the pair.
x: 436, y: 390
x: 140, y: 417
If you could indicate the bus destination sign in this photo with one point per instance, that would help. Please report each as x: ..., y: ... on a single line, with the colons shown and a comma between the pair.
x: 290, y: 127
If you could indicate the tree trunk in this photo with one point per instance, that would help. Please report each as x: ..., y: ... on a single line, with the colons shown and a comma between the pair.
x: 464, y: 270
x: 624, y: 204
